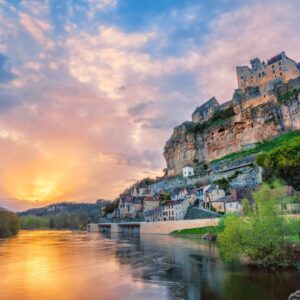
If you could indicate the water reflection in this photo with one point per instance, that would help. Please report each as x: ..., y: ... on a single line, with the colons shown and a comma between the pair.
x: 79, y: 265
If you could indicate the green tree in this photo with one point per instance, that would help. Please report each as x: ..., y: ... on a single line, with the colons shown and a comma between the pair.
x: 9, y: 224
x: 260, y: 235
x: 282, y: 162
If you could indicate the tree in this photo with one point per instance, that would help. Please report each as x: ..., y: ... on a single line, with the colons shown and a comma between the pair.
x: 260, y: 235
x: 9, y: 224
x: 282, y: 162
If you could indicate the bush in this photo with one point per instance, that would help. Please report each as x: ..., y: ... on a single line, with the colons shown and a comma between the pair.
x: 282, y: 162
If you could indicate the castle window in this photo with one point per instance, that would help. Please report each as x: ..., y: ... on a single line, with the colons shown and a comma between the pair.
x: 259, y: 74
x: 273, y: 66
x: 242, y: 77
x: 263, y: 74
x: 280, y: 73
x: 280, y: 69
x: 279, y: 63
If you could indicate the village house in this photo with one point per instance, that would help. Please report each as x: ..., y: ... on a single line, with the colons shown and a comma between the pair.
x: 208, y: 194
x: 154, y: 215
x: 187, y: 171
x: 179, y: 194
x: 234, y: 203
x: 219, y: 205
x: 151, y: 203
x: 173, y: 210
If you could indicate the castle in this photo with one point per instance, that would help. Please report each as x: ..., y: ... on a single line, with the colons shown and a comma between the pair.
x: 265, y: 104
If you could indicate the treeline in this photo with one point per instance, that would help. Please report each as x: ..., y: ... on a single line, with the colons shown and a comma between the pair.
x: 60, y: 221
x: 9, y: 223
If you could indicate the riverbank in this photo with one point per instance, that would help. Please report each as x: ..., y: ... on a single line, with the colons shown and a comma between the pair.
x: 9, y: 224
x: 290, y: 251
x: 212, y: 230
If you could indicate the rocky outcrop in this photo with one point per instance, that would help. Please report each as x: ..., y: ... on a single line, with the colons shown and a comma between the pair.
x: 254, y: 119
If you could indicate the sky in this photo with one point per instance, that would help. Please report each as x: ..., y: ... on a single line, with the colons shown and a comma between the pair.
x: 90, y: 90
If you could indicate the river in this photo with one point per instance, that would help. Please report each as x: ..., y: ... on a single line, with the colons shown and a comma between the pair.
x: 79, y: 265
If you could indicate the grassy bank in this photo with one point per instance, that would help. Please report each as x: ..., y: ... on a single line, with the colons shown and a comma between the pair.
x: 198, y: 231
x: 286, y: 140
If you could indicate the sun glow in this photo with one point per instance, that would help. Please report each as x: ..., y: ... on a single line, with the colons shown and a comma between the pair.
x: 44, y: 181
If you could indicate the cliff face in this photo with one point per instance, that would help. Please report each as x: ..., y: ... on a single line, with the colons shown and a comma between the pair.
x: 253, y: 119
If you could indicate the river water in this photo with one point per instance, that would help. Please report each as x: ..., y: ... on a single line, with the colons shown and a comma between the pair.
x: 79, y: 265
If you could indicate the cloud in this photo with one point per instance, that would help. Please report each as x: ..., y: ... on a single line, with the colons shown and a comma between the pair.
x: 259, y: 29
x: 6, y: 73
x: 138, y: 108
x: 89, y: 112
x: 37, y: 28
x: 113, y: 59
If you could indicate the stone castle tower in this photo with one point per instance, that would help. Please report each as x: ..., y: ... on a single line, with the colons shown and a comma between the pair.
x: 279, y: 68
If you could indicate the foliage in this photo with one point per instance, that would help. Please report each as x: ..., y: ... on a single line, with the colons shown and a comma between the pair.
x: 223, y: 183
x: 110, y: 207
x: 59, y: 221
x: 62, y: 215
x: 219, y: 117
x: 261, y: 235
x: 289, y: 95
x: 283, y: 162
x: 165, y: 197
x: 286, y: 139
x: 9, y: 223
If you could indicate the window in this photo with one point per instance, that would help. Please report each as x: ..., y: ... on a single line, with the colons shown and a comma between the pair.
x: 273, y: 66
x: 263, y: 74
x: 279, y: 63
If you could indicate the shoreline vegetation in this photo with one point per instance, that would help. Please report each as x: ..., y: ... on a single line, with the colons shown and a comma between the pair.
x: 263, y: 236
x: 9, y: 224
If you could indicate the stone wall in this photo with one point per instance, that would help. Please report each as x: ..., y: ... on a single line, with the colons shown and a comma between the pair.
x: 167, y: 227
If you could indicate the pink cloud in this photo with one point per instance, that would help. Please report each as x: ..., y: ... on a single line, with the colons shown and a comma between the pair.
x: 37, y: 28
x: 261, y: 29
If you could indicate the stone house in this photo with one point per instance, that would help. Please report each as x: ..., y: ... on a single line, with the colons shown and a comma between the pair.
x: 219, y: 204
x: 179, y: 194
x: 234, y: 201
x: 205, y: 111
x: 233, y: 206
x: 210, y: 193
x: 187, y: 171
x: 151, y: 203
x: 154, y: 215
x: 173, y: 211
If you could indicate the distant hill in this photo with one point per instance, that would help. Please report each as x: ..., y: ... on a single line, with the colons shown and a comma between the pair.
x: 89, y: 210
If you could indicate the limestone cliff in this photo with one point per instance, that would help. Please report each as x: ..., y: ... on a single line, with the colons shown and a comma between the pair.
x: 251, y: 117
